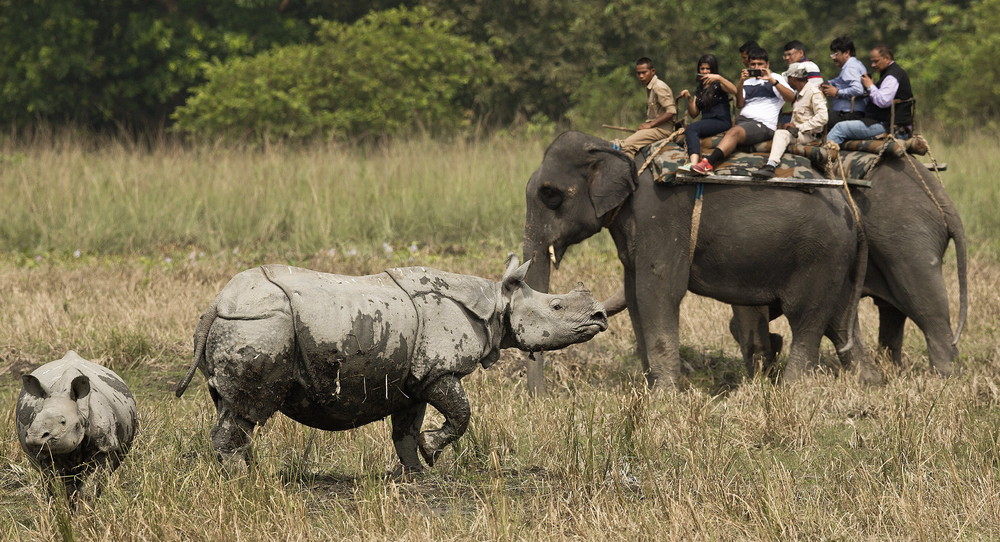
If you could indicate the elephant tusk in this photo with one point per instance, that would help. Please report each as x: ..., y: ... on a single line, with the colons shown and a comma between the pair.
x: 552, y: 255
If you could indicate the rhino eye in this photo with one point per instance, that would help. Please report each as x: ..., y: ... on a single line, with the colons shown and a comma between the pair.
x: 550, y: 196
x: 556, y: 304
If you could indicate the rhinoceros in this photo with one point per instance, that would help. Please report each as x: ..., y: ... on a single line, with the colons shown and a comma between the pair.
x: 74, y: 417
x: 336, y: 352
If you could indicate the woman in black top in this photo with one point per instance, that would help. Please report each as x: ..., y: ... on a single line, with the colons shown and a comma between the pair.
x: 711, y: 101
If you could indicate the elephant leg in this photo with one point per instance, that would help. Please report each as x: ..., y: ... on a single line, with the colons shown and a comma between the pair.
x: 891, y: 323
x: 661, y: 341
x: 932, y: 318
x: 231, y: 438
x: 447, y: 396
x: 634, y: 317
x: 918, y: 292
x: 749, y: 326
x: 854, y: 358
x: 803, y: 356
x: 405, y: 428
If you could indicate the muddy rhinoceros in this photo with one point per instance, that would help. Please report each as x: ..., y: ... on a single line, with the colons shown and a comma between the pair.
x: 336, y: 352
x: 74, y: 417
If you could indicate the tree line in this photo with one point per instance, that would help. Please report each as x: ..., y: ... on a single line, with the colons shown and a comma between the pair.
x: 336, y: 69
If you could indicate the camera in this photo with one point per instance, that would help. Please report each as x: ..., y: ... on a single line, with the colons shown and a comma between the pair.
x: 754, y: 72
x: 700, y: 76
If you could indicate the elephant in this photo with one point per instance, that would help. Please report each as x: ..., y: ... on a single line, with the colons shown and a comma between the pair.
x: 336, y: 352
x: 908, y: 219
x: 804, y: 252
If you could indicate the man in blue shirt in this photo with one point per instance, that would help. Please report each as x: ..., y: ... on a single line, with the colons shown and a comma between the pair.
x: 848, y: 93
x: 893, y: 83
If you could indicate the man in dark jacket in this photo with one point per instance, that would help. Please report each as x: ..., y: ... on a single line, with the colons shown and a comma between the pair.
x: 893, y: 84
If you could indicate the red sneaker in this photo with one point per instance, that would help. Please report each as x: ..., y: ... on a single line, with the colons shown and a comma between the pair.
x: 703, y: 167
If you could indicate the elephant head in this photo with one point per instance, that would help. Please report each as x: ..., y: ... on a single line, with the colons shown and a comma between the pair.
x: 581, y: 182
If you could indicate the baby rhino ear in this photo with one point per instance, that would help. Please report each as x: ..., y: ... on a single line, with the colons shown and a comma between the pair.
x: 79, y: 388
x: 33, y: 387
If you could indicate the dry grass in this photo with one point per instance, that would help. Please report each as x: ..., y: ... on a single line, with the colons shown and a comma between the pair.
x: 599, y: 458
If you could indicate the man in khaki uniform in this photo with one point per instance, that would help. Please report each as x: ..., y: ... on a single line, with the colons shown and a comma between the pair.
x: 660, y: 110
x: 809, y: 116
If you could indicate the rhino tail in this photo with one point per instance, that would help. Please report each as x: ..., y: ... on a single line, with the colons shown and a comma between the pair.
x: 200, y: 338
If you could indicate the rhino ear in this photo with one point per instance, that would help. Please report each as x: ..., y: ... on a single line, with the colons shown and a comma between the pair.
x: 513, y: 277
x: 32, y: 386
x: 612, y: 178
x: 79, y: 388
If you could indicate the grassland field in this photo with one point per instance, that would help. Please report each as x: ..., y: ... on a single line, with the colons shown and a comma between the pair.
x: 114, y: 251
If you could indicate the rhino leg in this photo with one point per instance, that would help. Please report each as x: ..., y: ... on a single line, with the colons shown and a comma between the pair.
x: 447, y: 396
x: 405, y: 429
x: 231, y: 438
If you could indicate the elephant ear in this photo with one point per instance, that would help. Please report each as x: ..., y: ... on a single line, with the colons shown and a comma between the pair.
x: 612, y: 178
x: 477, y: 295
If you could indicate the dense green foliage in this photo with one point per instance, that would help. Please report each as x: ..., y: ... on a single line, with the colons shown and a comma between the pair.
x: 390, y: 70
x: 131, y: 63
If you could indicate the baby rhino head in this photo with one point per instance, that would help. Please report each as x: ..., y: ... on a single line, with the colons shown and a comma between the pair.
x: 58, y: 426
x: 548, y: 322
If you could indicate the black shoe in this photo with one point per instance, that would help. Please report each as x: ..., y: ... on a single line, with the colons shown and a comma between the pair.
x: 765, y: 172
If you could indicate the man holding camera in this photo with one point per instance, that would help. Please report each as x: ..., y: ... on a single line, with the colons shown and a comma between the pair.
x: 809, y: 115
x: 893, y: 84
x: 759, y: 95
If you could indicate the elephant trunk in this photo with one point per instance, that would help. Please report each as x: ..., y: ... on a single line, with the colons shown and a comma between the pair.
x: 537, y: 251
x: 538, y: 279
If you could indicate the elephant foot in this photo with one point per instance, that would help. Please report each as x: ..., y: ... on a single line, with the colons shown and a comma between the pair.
x: 793, y: 372
x: 946, y: 369
x: 869, y: 375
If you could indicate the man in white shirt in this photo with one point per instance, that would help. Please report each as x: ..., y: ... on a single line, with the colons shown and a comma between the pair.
x: 759, y: 95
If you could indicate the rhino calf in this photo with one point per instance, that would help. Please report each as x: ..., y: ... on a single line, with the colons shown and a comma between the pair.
x: 337, y: 352
x: 75, y: 417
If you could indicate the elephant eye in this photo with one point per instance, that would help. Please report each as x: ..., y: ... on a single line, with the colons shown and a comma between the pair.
x: 551, y: 197
x: 556, y: 304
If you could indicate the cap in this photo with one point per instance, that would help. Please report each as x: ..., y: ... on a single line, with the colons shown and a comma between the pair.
x: 798, y: 70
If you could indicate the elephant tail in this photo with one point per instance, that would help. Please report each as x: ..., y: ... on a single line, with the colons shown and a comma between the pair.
x: 200, y: 338
x: 957, y: 232
x: 858, y: 276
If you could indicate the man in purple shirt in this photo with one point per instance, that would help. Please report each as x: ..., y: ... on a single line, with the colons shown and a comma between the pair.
x: 848, y: 94
x: 893, y: 84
